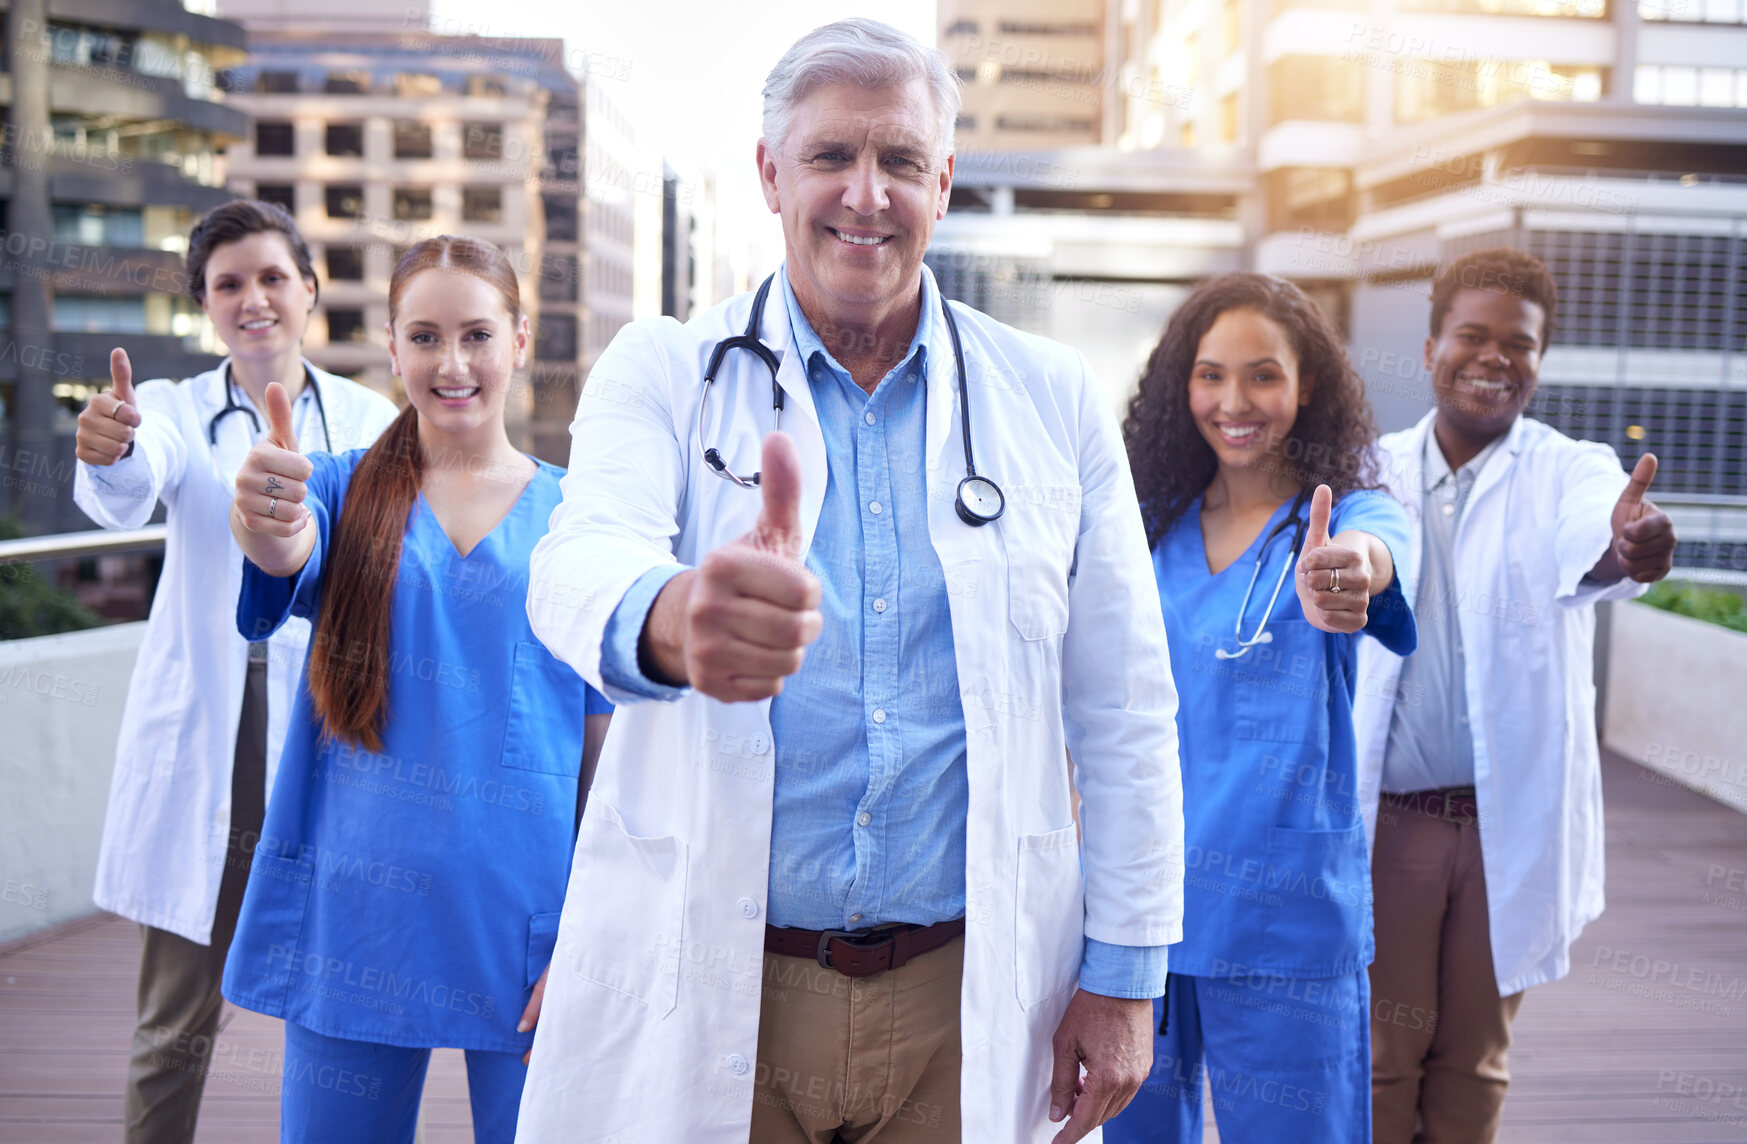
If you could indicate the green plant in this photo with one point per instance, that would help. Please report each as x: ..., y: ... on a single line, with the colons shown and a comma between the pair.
x: 1711, y: 605
x: 31, y: 605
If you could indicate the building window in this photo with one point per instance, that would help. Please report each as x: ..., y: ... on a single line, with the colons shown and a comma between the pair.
x: 486, y: 86
x: 1043, y: 123
x: 98, y: 314
x: 345, y: 264
x: 1682, y: 86
x: 346, y: 139
x: 560, y: 217
x: 961, y: 28
x: 482, y: 204
x: 1559, y: 9
x: 1228, y: 119
x: 1317, y: 88
x: 558, y: 274
x: 412, y: 139
x: 412, y: 204
x: 94, y: 225
x: 1437, y: 89
x: 1694, y: 11
x: 282, y: 194
x: 345, y: 200
x: 346, y: 327
x: 417, y: 85
x: 556, y: 338
x: 275, y: 138
x: 481, y: 141
x: 1033, y: 28
x: 276, y: 82
x: 347, y: 83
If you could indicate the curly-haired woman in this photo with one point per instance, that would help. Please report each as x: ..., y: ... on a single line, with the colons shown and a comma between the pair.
x: 1250, y: 441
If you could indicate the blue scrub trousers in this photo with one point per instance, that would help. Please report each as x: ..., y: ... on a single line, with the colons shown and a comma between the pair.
x: 1286, y: 1058
x: 336, y: 1091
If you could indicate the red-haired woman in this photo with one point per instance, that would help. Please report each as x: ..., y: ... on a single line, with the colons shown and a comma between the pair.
x: 407, y: 888
x: 206, y: 710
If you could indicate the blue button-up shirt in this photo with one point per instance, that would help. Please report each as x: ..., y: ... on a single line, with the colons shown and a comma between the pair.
x: 872, y: 794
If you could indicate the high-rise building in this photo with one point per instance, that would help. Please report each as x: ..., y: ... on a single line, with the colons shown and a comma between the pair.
x: 1035, y: 71
x: 375, y: 139
x: 113, y: 121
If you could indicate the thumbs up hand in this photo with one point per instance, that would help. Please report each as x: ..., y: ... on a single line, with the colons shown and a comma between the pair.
x: 753, y: 606
x: 1334, y: 580
x: 270, y: 485
x: 1643, y: 544
x: 107, y: 422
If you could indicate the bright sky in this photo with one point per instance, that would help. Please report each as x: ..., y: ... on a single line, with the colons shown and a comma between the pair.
x: 695, y: 69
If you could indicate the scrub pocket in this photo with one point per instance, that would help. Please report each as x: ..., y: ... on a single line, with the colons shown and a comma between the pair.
x: 542, y: 939
x: 1049, y: 912
x: 1318, y: 927
x: 634, y: 892
x: 547, y: 701
x: 265, y: 958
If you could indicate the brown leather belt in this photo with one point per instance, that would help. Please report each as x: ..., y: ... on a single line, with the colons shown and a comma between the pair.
x: 1451, y: 804
x: 861, y: 953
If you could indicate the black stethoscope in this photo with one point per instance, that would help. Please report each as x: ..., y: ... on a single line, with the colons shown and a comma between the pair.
x: 231, y: 406
x: 979, y: 499
x: 1299, y: 526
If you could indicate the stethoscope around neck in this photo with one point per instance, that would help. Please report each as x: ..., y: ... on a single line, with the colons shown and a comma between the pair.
x: 1299, y: 525
x: 231, y: 406
x: 979, y: 499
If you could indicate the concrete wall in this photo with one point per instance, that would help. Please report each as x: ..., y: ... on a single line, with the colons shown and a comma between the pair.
x: 60, y: 714
x: 1675, y: 699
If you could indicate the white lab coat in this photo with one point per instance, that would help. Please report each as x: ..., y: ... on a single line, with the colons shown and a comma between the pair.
x: 649, y: 1030
x: 168, y: 822
x: 1537, y: 519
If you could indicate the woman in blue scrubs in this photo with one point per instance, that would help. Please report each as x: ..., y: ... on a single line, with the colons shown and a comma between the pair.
x: 1250, y: 443
x: 406, y: 891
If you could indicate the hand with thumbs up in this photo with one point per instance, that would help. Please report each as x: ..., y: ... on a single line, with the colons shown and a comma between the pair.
x: 267, y: 513
x: 738, y: 625
x: 1643, y: 544
x: 1336, y: 576
x: 108, y: 420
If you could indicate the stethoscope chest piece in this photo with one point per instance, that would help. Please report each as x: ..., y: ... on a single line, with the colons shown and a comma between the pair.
x: 979, y: 501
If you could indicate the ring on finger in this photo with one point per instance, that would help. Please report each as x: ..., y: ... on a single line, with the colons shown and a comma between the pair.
x: 1334, y: 584
x: 115, y: 411
x: 272, y: 506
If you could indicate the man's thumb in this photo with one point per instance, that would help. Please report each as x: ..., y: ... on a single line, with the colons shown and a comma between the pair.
x: 779, y: 483
x: 279, y: 429
x: 121, y: 375
x: 1642, y: 474
x: 1321, y: 504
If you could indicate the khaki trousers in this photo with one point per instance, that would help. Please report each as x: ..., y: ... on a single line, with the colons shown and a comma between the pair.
x: 179, y: 999
x: 857, y: 1059
x: 1440, y: 1033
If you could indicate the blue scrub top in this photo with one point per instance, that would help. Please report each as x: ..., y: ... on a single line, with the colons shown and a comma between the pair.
x: 1277, y: 877
x: 411, y: 897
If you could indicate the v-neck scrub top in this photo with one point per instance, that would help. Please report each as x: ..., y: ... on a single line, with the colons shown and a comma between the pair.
x: 1277, y: 878
x: 411, y: 897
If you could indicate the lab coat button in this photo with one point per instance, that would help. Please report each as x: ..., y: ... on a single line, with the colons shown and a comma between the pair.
x: 737, y: 1064
x: 748, y: 908
x: 760, y: 743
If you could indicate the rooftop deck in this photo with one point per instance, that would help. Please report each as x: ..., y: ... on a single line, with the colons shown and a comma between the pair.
x: 1645, y: 1042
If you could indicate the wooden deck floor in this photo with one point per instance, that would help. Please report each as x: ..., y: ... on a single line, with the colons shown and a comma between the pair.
x: 1645, y: 1042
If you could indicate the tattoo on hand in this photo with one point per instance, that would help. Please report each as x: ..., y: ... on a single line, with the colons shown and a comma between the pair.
x: 273, y: 485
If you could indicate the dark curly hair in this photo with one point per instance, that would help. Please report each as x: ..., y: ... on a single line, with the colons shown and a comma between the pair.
x: 1500, y: 268
x: 1330, y: 442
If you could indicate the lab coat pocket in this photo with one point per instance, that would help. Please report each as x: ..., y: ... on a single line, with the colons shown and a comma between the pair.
x: 544, y: 731
x: 1050, y: 915
x: 1282, y: 692
x: 634, y: 891
x: 1039, y: 547
x: 1320, y: 923
x: 542, y: 938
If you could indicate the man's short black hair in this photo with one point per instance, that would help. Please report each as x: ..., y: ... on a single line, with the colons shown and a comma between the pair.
x: 1500, y: 268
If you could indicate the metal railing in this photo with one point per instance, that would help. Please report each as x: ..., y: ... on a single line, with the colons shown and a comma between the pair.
x: 76, y: 545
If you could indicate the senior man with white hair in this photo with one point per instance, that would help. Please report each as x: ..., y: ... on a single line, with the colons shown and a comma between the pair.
x: 836, y: 892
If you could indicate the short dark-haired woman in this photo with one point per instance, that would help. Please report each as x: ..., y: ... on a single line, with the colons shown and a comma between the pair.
x: 206, y: 710
x: 1250, y: 441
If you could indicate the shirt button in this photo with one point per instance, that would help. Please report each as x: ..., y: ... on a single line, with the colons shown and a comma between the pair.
x: 737, y: 1064
x: 870, y: 419
x: 748, y: 908
x: 875, y: 508
x: 879, y: 605
x: 1449, y: 510
x: 862, y: 819
x: 879, y: 714
x: 855, y: 917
